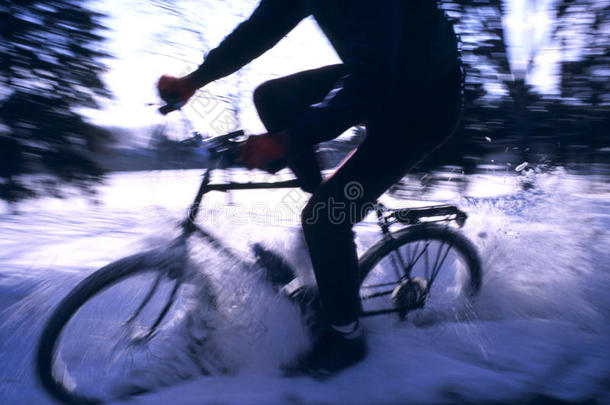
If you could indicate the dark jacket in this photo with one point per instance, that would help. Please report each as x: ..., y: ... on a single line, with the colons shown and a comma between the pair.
x: 387, y: 46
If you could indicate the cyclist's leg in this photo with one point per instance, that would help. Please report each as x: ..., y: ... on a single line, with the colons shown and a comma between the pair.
x: 281, y: 102
x: 392, y: 147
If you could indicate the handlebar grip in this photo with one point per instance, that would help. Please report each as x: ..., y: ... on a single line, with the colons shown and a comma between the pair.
x: 169, y: 107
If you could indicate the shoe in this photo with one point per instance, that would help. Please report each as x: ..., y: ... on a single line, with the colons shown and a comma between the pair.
x: 332, y: 352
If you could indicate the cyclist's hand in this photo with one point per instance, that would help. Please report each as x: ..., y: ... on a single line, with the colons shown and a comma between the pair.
x: 266, y: 152
x: 172, y: 89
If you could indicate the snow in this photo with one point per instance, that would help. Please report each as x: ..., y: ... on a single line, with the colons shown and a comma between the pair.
x: 540, y: 326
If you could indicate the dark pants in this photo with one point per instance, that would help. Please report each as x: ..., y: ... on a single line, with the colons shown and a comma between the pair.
x: 400, y: 133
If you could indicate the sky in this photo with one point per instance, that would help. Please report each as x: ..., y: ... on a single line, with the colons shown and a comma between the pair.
x: 136, y: 31
x: 527, y: 28
x: 139, y: 34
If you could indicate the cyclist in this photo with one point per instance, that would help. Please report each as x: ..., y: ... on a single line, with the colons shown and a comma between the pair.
x: 400, y: 77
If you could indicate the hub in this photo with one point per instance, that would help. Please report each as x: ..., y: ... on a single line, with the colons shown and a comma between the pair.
x: 409, y: 295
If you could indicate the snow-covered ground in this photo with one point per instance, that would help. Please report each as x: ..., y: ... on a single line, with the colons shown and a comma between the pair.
x: 541, y: 326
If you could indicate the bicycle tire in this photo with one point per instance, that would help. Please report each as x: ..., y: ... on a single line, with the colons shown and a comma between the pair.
x: 466, y: 252
x: 88, y: 288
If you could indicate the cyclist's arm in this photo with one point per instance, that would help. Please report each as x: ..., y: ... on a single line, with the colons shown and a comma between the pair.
x: 267, y: 25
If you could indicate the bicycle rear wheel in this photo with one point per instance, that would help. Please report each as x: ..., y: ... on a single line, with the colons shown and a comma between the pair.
x: 429, y: 269
x: 98, y: 333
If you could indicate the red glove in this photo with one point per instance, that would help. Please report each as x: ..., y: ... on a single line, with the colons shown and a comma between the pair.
x: 175, y: 88
x: 265, y: 151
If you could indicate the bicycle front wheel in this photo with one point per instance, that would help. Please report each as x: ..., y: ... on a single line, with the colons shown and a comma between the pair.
x: 100, y: 331
x: 430, y: 270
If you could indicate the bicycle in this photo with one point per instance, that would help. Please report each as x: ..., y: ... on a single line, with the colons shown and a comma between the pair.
x: 400, y: 273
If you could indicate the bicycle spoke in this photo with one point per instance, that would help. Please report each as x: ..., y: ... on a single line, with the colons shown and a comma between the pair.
x: 413, y: 258
x: 420, y: 255
x: 121, y: 355
x: 401, y: 265
x: 427, y: 261
x: 168, y: 304
x: 407, y: 268
x: 430, y: 275
x: 437, y: 269
x: 438, y: 254
x: 147, y: 298
x: 414, y: 253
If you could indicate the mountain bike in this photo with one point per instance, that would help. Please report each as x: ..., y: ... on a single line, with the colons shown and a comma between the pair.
x: 421, y: 264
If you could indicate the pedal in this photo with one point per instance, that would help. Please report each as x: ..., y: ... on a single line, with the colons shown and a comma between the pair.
x: 290, y: 289
x: 277, y: 270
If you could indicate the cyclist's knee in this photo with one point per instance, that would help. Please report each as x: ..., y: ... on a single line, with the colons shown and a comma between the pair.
x: 263, y: 95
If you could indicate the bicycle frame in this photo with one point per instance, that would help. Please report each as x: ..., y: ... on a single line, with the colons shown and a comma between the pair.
x: 223, y: 147
x: 171, y: 265
x: 404, y: 216
x: 385, y: 218
x: 205, y: 187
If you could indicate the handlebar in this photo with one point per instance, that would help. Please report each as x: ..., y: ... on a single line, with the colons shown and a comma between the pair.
x: 171, y: 105
x: 225, y: 148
